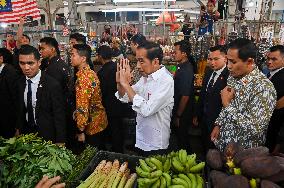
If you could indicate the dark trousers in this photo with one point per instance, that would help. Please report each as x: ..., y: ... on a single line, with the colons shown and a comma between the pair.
x: 114, y: 133
x: 181, y: 132
x: 151, y: 153
x: 206, y: 129
x: 272, y: 135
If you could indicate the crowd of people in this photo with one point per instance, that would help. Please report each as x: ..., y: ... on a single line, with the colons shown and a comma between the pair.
x: 70, y: 104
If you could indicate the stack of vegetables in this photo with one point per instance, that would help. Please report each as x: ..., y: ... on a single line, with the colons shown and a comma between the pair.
x: 110, y: 175
x: 238, y: 167
x: 175, y: 170
x: 27, y: 158
x: 79, y: 165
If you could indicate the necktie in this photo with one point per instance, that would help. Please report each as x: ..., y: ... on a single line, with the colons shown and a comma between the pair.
x: 268, y: 75
x: 31, y: 121
x: 211, y: 82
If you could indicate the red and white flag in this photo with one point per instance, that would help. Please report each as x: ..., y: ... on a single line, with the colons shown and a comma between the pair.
x: 12, y: 10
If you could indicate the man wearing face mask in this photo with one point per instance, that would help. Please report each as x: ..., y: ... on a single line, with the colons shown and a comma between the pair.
x: 248, y: 100
x: 152, y: 98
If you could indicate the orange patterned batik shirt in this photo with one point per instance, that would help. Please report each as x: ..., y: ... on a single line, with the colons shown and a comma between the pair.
x: 90, y: 114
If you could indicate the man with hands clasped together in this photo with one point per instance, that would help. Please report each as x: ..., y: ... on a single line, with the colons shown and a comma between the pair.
x: 248, y: 100
x: 152, y: 98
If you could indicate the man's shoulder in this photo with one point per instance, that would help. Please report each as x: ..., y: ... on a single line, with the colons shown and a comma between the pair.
x: 49, y: 81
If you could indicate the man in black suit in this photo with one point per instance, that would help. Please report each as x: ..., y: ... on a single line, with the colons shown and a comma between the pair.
x: 54, y: 66
x: 210, y: 103
x: 275, y: 63
x: 41, y: 102
x: 8, y: 91
x: 115, y: 109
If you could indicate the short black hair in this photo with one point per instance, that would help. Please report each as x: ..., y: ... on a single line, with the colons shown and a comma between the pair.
x: 28, y: 50
x: 85, y: 51
x: 24, y: 35
x: 7, y: 56
x: 50, y: 41
x: 279, y: 48
x: 184, y: 46
x: 221, y: 48
x: 153, y: 50
x: 246, y: 48
x: 81, y: 39
x: 105, y: 52
x: 138, y: 39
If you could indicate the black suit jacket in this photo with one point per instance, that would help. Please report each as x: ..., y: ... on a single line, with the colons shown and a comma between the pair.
x: 210, y: 102
x: 49, y: 112
x: 59, y: 70
x: 107, y: 77
x: 277, y: 117
x: 8, y: 91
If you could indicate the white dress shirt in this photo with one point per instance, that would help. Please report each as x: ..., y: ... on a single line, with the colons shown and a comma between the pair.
x: 34, y: 85
x: 274, y: 72
x: 153, y: 103
x: 218, y: 73
x: 1, y: 67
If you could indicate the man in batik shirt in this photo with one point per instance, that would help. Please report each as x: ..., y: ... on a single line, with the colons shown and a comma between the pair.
x: 90, y: 115
x: 248, y: 100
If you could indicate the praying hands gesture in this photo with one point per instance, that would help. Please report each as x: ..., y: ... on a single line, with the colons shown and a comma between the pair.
x: 123, y: 79
x: 123, y: 73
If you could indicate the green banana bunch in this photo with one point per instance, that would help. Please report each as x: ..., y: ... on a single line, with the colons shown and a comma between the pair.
x: 174, y: 170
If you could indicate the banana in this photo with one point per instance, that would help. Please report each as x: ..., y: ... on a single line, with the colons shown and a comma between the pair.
x: 179, y: 181
x: 156, y: 184
x: 146, y: 182
x: 197, y: 168
x: 144, y: 166
x: 157, y: 163
x: 156, y: 174
x: 191, y: 160
x: 167, y: 165
x: 183, y: 157
x: 150, y: 164
x: 167, y: 178
x: 163, y: 182
x: 200, y: 181
x: 185, y: 178
x: 192, y: 179
x: 253, y: 183
x: 180, y: 155
x: 176, y: 186
x: 177, y: 165
x: 142, y: 173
